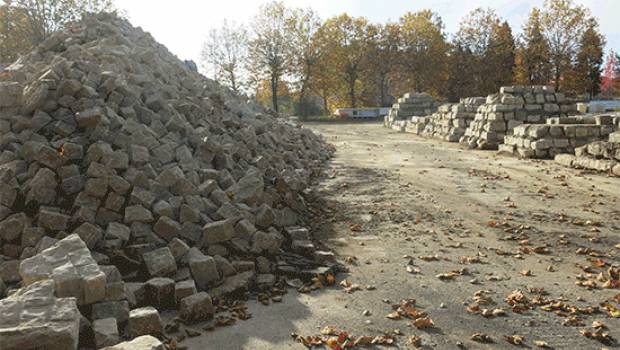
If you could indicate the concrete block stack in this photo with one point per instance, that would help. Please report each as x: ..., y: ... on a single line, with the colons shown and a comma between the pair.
x: 411, y: 104
x: 417, y: 125
x: 513, y: 106
x: 558, y: 136
x: 126, y: 178
x: 449, y: 122
x: 603, y: 156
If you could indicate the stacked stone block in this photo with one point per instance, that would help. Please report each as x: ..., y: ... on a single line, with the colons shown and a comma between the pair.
x: 558, y: 136
x: 513, y: 106
x: 603, y: 156
x: 449, y: 122
x: 411, y: 104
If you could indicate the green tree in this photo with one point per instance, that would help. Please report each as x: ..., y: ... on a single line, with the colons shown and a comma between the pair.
x: 589, y: 64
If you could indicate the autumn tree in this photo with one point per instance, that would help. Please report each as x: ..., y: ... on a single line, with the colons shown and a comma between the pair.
x: 563, y: 23
x: 475, y: 36
x: 532, y: 62
x: 344, y: 43
x: 382, y: 57
x: 590, y: 61
x: 423, y: 60
x: 270, y: 47
x: 224, y: 53
x: 616, y: 81
x: 303, y: 25
x: 610, y: 75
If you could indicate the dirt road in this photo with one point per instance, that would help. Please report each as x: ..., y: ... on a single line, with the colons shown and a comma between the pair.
x: 458, y: 231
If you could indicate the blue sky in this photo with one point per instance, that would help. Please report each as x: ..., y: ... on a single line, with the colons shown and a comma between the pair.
x: 182, y: 25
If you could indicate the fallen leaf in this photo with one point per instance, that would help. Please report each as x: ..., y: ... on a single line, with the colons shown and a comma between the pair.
x: 514, y: 339
x: 394, y: 315
x: 330, y: 330
x: 423, y: 322
x: 429, y: 258
x: 611, y: 310
x: 481, y: 338
x: 415, y: 341
x: 542, y: 344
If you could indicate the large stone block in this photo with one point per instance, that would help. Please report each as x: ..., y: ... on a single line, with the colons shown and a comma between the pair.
x: 70, y: 264
x: 33, y: 318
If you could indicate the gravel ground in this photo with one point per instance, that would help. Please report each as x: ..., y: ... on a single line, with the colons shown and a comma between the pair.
x: 414, y: 218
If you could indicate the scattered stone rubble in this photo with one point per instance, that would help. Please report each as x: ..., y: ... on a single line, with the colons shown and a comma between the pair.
x: 129, y: 185
x: 601, y: 156
x: 449, y: 122
x: 411, y: 104
x: 513, y: 106
x: 558, y: 136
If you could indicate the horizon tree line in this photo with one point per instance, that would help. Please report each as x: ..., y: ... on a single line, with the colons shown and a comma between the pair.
x: 295, y: 62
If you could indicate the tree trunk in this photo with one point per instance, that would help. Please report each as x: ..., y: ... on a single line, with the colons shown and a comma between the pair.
x: 303, y: 108
x: 352, y: 93
x: 383, y: 91
x: 558, y: 74
x: 325, y: 108
x: 233, y: 82
x: 274, y: 92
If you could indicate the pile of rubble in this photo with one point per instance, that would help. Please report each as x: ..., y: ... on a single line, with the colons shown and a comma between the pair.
x: 601, y: 156
x: 449, y: 122
x: 513, y: 106
x: 411, y: 104
x: 558, y: 136
x: 131, y: 184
